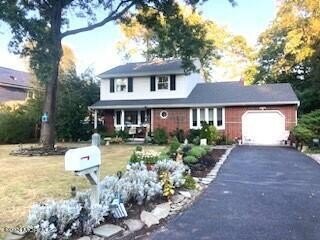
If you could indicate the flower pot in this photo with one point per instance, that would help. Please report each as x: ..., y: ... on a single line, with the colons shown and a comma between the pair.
x: 150, y: 166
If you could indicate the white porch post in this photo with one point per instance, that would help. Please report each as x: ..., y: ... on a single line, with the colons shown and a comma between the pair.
x: 122, y: 119
x: 198, y: 118
x: 95, y: 119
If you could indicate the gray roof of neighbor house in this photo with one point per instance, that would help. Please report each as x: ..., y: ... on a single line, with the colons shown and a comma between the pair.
x: 215, y: 94
x: 14, y: 78
x: 140, y: 69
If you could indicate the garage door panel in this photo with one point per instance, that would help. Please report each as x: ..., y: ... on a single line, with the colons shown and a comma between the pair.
x: 263, y: 127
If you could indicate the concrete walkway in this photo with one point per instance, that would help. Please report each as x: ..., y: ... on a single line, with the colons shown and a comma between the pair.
x: 261, y: 193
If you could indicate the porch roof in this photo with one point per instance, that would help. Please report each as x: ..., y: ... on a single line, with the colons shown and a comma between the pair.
x: 214, y: 94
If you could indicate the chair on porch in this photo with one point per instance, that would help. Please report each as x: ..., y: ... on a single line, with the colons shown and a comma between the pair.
x: 132, y: 131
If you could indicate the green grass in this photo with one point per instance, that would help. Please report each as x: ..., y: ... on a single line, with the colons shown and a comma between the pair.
x: 27, y: 180
x: 313, y: 150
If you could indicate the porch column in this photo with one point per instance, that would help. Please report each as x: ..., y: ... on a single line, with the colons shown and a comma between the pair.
x: 95, y: 119
x: 122, y: 119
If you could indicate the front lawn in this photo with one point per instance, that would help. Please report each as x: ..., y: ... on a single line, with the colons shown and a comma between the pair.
x: 27, y: 180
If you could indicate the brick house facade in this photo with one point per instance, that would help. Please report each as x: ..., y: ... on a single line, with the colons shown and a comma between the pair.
x: 153, y: 95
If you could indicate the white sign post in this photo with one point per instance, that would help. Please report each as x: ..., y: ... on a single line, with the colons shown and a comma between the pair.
x: 86, y: 162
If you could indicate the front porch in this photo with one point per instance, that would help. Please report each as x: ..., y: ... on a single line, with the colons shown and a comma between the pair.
x: 136, y: 122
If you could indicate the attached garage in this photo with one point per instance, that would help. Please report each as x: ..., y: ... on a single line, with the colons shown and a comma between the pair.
x: 263, y: 127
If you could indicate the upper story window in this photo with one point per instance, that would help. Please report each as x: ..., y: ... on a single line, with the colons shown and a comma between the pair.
x: 121, y: 85
x: 163, y: 83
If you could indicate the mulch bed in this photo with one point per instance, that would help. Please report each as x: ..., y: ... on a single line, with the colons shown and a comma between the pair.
x: 206, y: 163
x: 39, y: 151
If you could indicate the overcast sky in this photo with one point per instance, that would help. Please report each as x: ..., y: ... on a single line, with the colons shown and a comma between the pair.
x: 97, y: 48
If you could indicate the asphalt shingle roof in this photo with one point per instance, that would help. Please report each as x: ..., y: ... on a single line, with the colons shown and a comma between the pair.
x: 14, y: 77
x: 220, y: 93
x: 138, y: 69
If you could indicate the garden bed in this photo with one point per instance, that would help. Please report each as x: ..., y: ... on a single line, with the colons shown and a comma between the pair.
x: 206, y: 163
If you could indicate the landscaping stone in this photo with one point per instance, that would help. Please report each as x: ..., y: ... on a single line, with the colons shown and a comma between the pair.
x: 84, y: 238
x: 185, y: 194
x: 134, y: 224
x: 161, y: 210
x: 11, y: 236
x: 108, y: 230
x: 148, y: 218
x: 177, y: 198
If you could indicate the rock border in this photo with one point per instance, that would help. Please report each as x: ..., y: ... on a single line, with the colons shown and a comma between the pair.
x: 178, y: 203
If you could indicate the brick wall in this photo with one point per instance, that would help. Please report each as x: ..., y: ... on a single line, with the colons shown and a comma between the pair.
x: 177, y: 118
x: 233, y: 116
x: 108, y: 120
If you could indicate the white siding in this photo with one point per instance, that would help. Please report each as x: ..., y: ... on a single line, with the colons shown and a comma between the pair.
x: 141, y: 89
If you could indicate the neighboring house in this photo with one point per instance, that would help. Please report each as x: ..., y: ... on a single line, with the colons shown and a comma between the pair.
x: 15, y: 86
x: 160, y: 95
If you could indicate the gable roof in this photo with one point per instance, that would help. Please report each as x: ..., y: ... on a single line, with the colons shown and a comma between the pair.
x: 215, y: 94
x: 14, y: 78
x: 140, y: 69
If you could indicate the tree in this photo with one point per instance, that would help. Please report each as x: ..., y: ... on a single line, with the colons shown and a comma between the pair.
x: 42, y: 25
x: 222, y: 49
x: 290, y: 51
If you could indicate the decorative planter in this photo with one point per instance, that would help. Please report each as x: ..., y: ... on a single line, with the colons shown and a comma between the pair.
x: 150, y: 166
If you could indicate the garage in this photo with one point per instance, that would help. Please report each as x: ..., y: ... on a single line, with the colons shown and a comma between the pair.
x: 263, y: 127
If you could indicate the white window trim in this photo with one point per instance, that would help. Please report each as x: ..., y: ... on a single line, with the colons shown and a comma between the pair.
x: 115, y: 85
x: 122, y: 123
x: 222, y: 127
x: 157, y: 82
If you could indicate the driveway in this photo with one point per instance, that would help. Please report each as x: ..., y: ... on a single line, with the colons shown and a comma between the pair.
x: 261, y: 193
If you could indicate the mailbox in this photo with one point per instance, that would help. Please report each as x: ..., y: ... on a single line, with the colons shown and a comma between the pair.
x: 81, y: 159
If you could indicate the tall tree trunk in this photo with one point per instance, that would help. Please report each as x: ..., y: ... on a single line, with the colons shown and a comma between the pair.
x: 47, y: 135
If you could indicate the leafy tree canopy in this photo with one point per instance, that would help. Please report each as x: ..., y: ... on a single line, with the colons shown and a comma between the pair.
x: 290, y: 50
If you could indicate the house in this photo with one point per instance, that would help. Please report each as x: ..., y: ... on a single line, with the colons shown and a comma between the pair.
x: 15, y: 86
x: 150, y: 95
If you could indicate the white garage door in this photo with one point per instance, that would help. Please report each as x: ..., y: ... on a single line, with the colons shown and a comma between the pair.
x: 263, y: 127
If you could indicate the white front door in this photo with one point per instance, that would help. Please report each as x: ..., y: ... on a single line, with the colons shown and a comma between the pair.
x: 263, y: 127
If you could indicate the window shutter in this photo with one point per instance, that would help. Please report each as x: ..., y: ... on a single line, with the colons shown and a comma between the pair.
x: 130, y: 84
x: 152, y: 83
x: 111, y: 84
x: 172, y: 82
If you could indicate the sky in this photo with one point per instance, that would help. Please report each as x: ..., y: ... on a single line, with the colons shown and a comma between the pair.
x: 97, y: 49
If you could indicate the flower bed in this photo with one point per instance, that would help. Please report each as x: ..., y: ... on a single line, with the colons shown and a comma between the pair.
x: 137, y: 187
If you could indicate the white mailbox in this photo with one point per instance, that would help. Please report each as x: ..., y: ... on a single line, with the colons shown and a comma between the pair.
x: 81, y: 159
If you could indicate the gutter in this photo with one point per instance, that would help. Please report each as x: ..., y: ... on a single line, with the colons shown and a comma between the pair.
x: 196, y: 105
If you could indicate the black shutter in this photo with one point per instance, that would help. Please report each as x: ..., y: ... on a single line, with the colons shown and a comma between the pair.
x: 130, y: 84
x: 111, y: 84
x: 172, y: 82
x: 152, y: 83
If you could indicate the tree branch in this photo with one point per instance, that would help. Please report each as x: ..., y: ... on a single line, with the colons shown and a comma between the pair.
x: 112, y: 16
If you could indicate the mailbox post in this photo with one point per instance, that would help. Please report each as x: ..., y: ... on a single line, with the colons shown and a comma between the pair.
x: 86, y: 162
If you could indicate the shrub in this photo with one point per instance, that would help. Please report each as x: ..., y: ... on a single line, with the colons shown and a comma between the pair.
x: 186, y: 148
x: 16, y: 126
x: 194, y: 136
x: 209, y: 132
x: 189, y: 182
x: 189, y: 160
x: 197, y: 151
x: 179, y: 134
x: 123, y: 134
x: 138, y: 148
x: 146, y: 156
x: 174, y: 145
x: 166, y: 183
x: 308, y: 128
x: 160, y: 136
x: 175, y: 169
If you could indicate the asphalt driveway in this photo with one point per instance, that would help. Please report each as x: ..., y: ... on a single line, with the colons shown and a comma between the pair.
x: 261, y: 193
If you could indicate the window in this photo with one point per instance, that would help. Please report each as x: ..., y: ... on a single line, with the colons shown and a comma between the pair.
x: 143, y: 117
x: 130, y: 117
x: 194, y: 117
x: 219, y: 117
x: 163, y: 114
x: 121, y: 85
x: 211, y: 112
x: 213, y: 116
x: 202, y: 116
x: 118, y: 117
x: 163, y: 83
